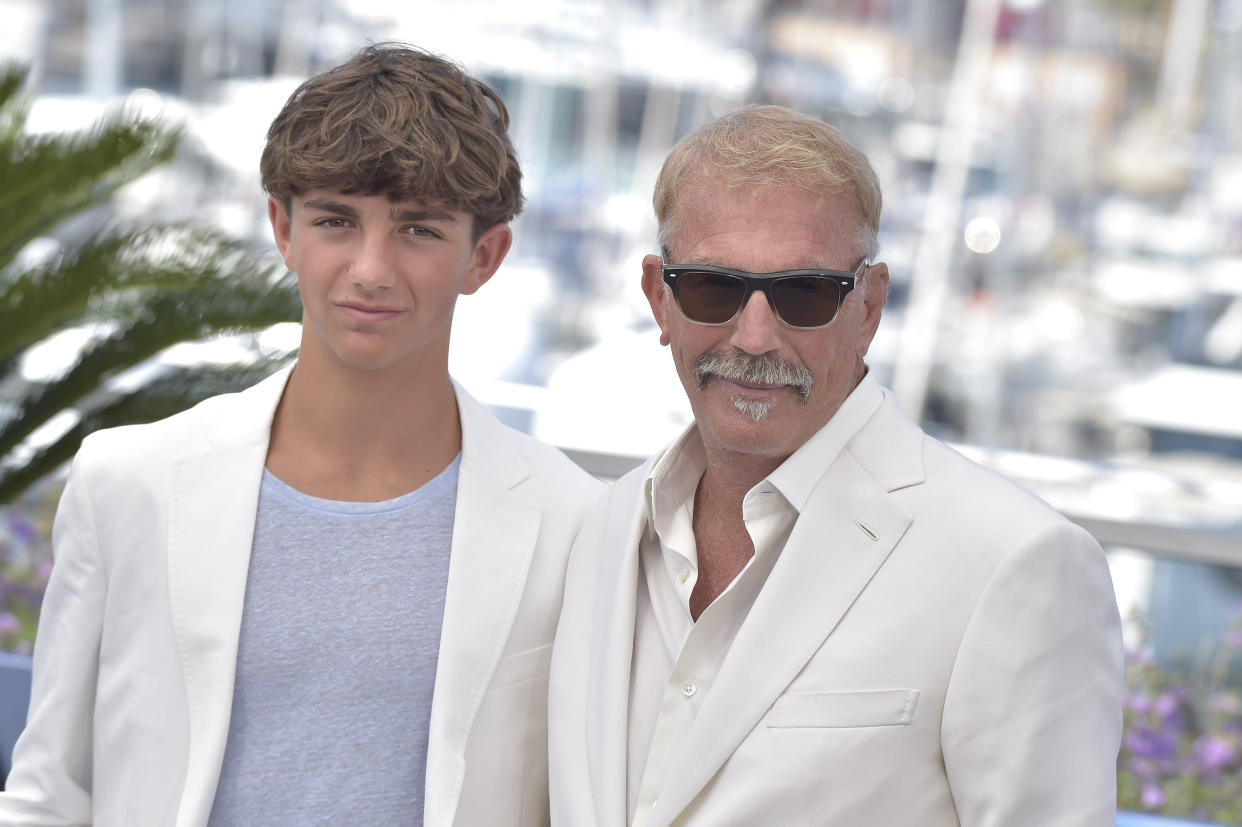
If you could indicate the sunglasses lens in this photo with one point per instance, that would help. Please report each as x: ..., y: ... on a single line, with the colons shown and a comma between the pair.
x: 806, y: 302
x: 709, y: 298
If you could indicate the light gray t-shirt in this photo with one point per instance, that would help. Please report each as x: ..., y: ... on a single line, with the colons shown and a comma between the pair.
x: 336, y: 661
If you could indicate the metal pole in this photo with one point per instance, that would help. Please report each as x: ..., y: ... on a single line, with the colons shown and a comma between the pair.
x: 101, y: 65
x: 931, y: 278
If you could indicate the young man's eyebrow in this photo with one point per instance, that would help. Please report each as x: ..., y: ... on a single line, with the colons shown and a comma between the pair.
x: 398, y: 213
x: 336, y: 207
x: 406, y: 214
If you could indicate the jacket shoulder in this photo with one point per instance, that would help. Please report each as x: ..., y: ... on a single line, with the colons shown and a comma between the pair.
x: 965, y: 504
x: 553, y: 474
x: 963, y: 484
x: 153, y: 441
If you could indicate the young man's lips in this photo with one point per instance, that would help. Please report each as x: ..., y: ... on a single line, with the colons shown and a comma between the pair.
x: 368, y: 313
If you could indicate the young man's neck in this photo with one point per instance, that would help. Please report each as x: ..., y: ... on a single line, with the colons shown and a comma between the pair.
x: 346, y: 434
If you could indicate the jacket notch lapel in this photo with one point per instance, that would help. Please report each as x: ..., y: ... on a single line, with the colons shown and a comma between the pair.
x: 210, y: 530
x: 612, y: 654
x: 495, y: 532
x: 843, y: 535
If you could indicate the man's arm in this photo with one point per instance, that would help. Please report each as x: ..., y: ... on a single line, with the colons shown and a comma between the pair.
x: 50, y: 783
x: 1032, y: 716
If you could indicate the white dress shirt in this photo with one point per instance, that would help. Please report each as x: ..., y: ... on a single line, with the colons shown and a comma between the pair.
x: 676, y: 659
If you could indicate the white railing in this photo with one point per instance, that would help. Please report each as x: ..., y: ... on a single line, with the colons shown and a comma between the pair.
x: 1213, y: 541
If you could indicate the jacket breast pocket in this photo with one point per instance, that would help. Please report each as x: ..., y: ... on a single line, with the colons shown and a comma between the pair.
x: 844, y: 709
x: 533, y: 663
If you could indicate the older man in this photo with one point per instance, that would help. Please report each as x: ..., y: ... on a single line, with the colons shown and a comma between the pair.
x: 805, y: 610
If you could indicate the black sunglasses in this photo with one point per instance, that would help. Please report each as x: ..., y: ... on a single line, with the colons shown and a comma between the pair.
x: 800, y: 298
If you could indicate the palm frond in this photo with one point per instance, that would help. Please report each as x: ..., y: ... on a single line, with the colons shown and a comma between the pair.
x: 173, y: 392
x: 161, y: 319
x: 103, y: 275
x: 153, y: 287
x: 13, y: 108
x: 48, y: 178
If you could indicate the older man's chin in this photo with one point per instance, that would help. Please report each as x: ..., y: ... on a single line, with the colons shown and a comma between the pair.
x: 756, y: 409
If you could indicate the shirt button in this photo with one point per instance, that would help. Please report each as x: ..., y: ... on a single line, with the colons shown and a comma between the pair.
x: 689, y: 687
x: 685, y: 575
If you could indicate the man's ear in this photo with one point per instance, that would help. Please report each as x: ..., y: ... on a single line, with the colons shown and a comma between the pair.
x: 875, y: 294
x: 282, y: 230
x: 656, y: 292
x: 489, y: 251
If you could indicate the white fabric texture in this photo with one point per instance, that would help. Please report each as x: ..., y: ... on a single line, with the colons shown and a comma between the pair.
x: 137, y: 643
x: 932, y: 646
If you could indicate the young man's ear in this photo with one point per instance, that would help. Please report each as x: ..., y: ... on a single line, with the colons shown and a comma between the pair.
x: 489, y: 251
x: 282, y: 229
x: 656, y: 292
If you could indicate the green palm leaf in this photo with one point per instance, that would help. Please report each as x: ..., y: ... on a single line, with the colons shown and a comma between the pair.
x: 147, y: 288
x: 55, y: 177
x: 12, y: 112
x: 174, y: 392
x: 238, y: 302
x: 96, y: 280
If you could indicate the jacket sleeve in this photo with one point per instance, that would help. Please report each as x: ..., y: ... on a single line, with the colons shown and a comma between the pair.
x: 1032, y: 716
x: 50, y: 783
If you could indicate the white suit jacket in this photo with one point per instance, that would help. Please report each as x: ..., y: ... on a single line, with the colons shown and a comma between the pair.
x: 137, y: 643
x: 958, y: 661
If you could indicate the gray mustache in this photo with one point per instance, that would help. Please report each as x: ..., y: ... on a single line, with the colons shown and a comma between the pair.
x: 764, y: 369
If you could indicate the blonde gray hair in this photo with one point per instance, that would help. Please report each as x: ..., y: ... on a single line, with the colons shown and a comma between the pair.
x: 766, y: 146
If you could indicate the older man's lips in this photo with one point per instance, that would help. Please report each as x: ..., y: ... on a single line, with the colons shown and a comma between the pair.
x: 756, y: 390
x: 369, y: 313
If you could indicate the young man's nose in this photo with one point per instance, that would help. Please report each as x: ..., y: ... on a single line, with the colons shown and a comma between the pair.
x: 373, y: 267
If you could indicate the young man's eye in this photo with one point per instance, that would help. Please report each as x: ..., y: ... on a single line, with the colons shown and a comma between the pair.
x: 332, y: 221
x: 421, y: 231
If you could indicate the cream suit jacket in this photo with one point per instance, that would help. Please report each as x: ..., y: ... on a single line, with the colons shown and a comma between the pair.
x: 956, y: 661
x: 137, y: 644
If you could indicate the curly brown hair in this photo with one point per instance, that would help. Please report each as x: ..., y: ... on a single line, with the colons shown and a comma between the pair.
x: 397, y: 121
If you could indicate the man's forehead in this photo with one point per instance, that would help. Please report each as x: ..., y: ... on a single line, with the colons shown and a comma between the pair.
x: 398, y: 208
x: 708, y: 214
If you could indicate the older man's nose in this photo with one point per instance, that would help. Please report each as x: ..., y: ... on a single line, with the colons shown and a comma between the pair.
x: 755, y: 329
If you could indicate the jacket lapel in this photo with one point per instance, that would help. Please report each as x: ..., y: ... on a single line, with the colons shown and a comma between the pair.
x: 494, y: 537
x: 210, y: 529
x: 613, y: 648
x: 846, y: 531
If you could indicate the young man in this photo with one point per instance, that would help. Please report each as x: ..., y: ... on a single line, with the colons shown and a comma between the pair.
x: 312, y: 601
x: 805, y: 610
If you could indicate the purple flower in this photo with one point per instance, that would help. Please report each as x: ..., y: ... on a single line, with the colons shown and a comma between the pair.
x: 9, y: 625
x: 22, y: 528
x: 1139, y: 703
x: 1156, y: 744
x: 1213, y: 752
x: 1169, y: 707
x: 1145, y: 769
x: 1153, y: 797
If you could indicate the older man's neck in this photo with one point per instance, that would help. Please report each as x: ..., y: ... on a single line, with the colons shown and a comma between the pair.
x: 723, y: 545
x: 728, y: 477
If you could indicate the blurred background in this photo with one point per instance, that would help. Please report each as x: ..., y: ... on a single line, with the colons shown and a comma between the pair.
x: 1062, y: 221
